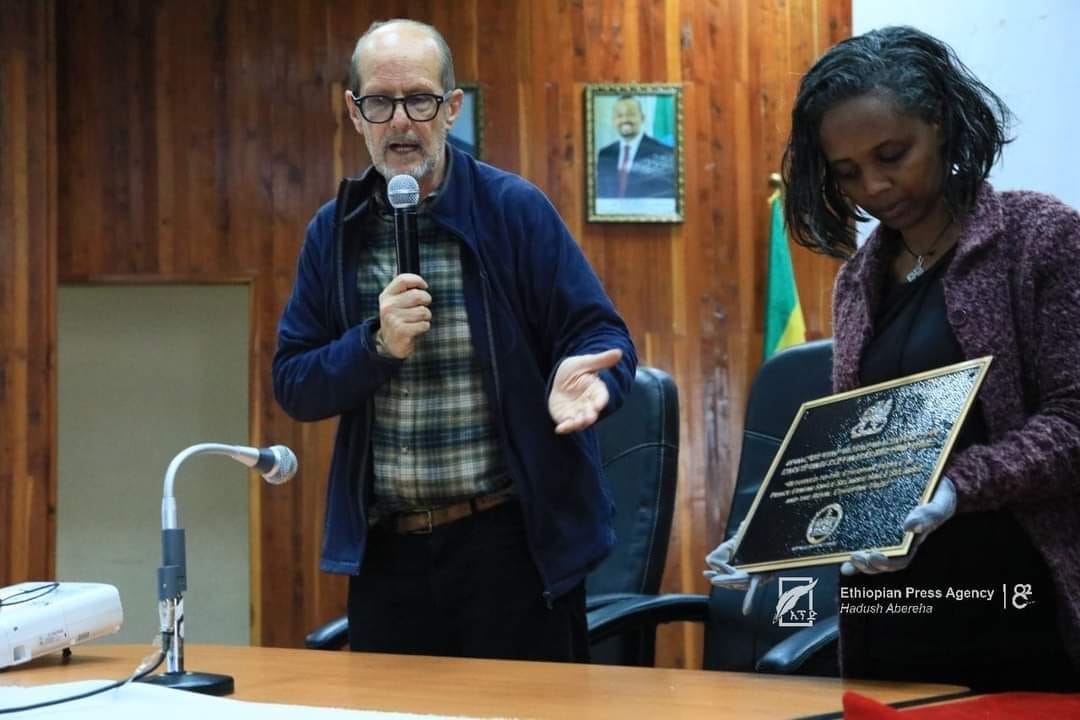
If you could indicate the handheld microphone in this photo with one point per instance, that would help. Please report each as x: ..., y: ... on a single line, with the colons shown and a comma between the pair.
x: 404, y: 194
x: 277, y: 464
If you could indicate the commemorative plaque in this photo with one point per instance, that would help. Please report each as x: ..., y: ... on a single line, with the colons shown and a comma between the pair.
x: 852, y: 466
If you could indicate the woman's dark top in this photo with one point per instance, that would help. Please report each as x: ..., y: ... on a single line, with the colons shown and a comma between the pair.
x: 984, y: 644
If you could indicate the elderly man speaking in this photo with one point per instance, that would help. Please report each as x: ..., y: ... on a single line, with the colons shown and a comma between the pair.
x: 466, y: 500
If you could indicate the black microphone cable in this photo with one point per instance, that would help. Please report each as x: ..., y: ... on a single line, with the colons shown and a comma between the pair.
x: 140, y: 672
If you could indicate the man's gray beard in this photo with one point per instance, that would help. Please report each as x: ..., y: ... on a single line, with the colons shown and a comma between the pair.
x: 420, y: 171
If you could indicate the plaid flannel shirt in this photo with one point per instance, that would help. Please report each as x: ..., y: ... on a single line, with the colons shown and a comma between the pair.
x: 433, y: 439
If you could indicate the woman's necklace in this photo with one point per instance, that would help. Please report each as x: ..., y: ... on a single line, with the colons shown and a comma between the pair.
x: 920, y: 260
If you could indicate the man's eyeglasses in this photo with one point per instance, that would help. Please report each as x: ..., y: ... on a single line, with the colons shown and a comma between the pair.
x: 420, y: 107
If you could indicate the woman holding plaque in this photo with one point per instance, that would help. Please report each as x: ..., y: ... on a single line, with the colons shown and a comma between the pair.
x: 892, y: 125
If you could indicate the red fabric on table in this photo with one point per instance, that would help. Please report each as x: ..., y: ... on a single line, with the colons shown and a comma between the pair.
x: 1002, y: 706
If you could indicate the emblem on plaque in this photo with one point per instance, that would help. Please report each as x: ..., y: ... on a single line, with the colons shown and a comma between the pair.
x: 873, y: 420
x: 824, y: 523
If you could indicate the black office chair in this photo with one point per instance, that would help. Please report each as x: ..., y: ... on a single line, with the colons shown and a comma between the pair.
x: 752, y: 643
x: 639, y: 448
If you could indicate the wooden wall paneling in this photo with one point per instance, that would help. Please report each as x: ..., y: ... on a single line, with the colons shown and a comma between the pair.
x: 288, y: 576
x: 80, y: 177
x: 224, y: 128
x: 167, y: 136
x: 27, y: 292
x: 708, y: 66
x: 247, y: 103
x: 115, y: 239
x: 458, y: 21
x: 301, y: 129
x: 319, y: 126
x: 498, y: 45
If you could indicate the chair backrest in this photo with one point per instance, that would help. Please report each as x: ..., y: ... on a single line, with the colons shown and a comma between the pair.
x: 782, y: 384
x: 639, y: 448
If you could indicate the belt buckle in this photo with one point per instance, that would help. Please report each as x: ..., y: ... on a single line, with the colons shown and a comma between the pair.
x: 430, y: 524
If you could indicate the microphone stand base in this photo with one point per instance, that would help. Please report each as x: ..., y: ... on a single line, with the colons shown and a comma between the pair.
x: 197, y: 682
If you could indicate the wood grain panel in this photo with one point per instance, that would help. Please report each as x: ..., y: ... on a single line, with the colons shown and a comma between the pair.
x: 27, y: 292
x: 203, y: 134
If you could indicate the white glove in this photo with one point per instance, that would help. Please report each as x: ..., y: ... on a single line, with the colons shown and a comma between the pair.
x: 922, y: 521
x: 724, y: 575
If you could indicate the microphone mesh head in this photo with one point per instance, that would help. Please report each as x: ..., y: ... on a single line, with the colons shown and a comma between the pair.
x: 403, y: 191
x: 285, y: 467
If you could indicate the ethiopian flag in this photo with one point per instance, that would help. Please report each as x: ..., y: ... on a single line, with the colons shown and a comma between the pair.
x: 784, y: 324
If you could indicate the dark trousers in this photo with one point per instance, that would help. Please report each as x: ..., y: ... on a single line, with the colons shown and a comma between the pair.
x: 467, y: 589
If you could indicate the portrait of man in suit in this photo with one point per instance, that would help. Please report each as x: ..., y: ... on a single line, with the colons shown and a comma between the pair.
x: 635, y: 165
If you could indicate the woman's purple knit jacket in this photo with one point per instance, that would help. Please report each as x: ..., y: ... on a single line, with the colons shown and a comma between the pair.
x: 1011, y: 291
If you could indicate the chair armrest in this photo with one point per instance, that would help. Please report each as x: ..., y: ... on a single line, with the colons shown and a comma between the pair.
x: 645, y: 611
x: 789, y: 655
x: 332, y: 636
x: 595, y: 602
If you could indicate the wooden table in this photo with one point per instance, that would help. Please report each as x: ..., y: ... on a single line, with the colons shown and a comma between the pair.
x: 481, y: 688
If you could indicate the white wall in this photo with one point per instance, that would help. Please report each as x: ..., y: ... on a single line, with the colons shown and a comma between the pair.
x: 143, y: 373
x: 1026, y: 52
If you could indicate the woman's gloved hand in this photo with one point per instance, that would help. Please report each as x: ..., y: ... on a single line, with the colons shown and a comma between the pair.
x: 922, y: 521
x: 723, y: 574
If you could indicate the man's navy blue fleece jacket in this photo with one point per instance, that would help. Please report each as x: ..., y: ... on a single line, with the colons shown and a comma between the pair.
x: 532, y: 301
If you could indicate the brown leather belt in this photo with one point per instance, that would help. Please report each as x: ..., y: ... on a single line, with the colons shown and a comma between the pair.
x: 421, y: 522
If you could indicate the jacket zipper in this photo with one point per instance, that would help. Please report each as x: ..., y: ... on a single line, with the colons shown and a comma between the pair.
x: 360, y: 480
x: 547, y: 595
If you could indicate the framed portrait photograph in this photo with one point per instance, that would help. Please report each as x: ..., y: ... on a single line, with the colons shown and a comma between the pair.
x: 468, y: 131
x: 633, y: 140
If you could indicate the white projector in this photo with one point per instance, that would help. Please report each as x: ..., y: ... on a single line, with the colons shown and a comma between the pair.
x: 37, y: 618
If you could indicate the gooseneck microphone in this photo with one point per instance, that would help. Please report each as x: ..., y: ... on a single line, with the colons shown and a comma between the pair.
x: 404, y: 194
x: 277, y: 464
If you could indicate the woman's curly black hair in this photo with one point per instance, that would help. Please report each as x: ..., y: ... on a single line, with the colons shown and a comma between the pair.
x: 926, y: 79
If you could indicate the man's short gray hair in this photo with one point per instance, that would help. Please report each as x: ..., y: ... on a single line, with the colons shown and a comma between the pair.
x: 447, y: 76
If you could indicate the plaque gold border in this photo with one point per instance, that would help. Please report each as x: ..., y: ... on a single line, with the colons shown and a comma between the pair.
x: 983, y: 365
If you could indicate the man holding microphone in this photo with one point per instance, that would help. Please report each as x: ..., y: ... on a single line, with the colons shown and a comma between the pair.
x: 466, y: 500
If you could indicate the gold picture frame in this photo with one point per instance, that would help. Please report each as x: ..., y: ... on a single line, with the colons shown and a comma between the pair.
x: 634, y: 152
x: 467, y: 134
